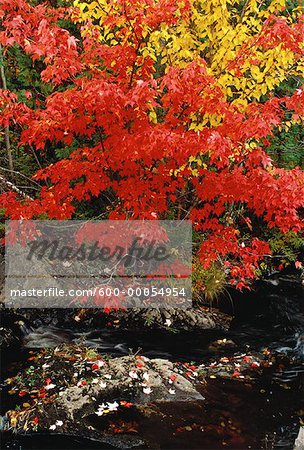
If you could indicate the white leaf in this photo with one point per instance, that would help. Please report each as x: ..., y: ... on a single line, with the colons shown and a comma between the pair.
x: 133, y: 374
x: 147, y: 390
x: 146, y: 376
x: 113, y: 406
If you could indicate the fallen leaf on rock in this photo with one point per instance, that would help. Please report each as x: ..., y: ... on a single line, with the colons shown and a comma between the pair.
x: 42, y: 393
x: 22, y: 393
x: 113, y: 406
x: 236, y: 374
x: 224, y: 359
x: 133, y: 374
x: 12, y: 392
x: 147, y: 390
x: 255, y: 364
x: 247, y: 358
x: 126, y: 404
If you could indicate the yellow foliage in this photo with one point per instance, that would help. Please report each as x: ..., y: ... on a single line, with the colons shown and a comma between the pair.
x: 215, y: 30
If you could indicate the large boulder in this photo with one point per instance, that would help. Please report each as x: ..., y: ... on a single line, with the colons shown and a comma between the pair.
x: 70, y: 384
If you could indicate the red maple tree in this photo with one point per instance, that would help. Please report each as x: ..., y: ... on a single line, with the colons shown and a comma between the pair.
x: 104, y: 96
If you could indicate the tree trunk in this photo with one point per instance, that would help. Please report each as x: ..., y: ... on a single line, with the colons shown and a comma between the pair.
x: 6, y: 128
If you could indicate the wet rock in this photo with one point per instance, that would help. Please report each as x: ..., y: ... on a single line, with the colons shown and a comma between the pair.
x: 70, y: 384
x: 197, y: 318
x: 123, y: 442
x: 71, y: 440
x: 299, y: 443
x: 3, y: 423
x: 149, y: 382
x: 8, y: 338
x: 10, y: 330
x: 222, y: 344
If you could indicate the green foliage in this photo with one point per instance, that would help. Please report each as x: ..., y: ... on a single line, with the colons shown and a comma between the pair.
x: 287, y: 146
x: 2, y: 224
x: 149, y: 321
x: 287, y: 149
x: 288, y: 245
x: 24, y: 75
x: 64, y: 152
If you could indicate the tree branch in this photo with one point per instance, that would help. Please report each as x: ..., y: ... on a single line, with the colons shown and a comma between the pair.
x: 6, y: 128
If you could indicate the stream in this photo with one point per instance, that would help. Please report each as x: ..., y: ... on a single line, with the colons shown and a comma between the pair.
x: 234, y: 415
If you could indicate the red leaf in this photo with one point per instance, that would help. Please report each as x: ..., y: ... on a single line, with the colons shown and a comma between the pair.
x: 22, y: 393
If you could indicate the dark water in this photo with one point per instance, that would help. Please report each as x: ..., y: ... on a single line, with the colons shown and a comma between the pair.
x: 233, y: 415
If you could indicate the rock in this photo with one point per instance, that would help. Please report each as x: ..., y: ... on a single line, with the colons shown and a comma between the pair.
x: 75, y: 401
x: 299, y: 443
x: 8, y: 338
x: 222, y: 344
x: 196, y: 318
x: 123, y: 442
x: 3, y: 423
x: 166, y: 314
x: 75, y: 385
x: 10, y: 332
